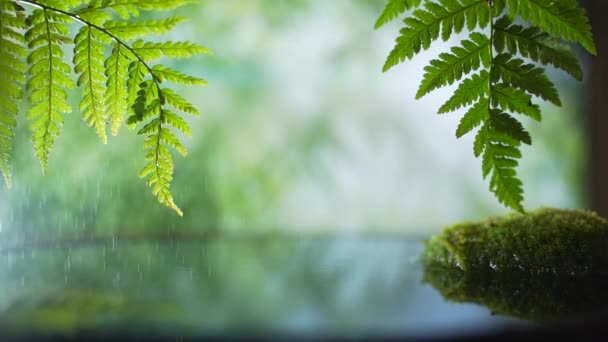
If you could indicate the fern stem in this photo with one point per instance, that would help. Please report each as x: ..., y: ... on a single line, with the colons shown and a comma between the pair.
x: 491, y: 47
x: 48, y: 123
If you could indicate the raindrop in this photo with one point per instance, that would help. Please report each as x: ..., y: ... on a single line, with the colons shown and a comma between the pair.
x: 113, y: 242
x: 117, y: 280
x: 493, y: 265
x: 103, y: 256
x: 68, y: 263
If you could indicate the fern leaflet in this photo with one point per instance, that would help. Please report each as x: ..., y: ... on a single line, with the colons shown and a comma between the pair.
x: 89, y: 64
x: 49, y: 77
x: 393, y: 9
x: 117, y: 72
x: 506, y: 85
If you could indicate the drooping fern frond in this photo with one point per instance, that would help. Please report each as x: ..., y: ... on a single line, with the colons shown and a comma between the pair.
x: 12, y: 66
x: 495, y: 84
x: 113, y: 66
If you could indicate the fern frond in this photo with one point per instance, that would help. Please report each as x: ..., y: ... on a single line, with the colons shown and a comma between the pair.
x: 444, y: 17
x: 451, y: 67
x: 393, y: 9
x: 114, y: 84
x: 537, y: 45
x: 151, y: 51
x: 117, y: 72
x: 49, y: 77
x: 89, y: 65
x: 506, y: 84
x: 564, y: 19
x: 159, y: 167
x: 13, y: 68
x: 500, y: 154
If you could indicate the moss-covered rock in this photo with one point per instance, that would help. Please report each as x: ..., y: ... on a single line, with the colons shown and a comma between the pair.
x: 542, y: 265
x: 564, y: 242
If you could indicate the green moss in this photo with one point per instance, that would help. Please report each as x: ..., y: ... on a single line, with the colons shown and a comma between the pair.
x: 541, y: 265
x: 564, y: 242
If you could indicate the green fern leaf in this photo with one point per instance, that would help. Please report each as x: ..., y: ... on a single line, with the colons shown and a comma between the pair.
x: 564, y: 18
x: 393, y: 9
x: 117, y: 73
x: 13, y: 68
x: 177, y: 122
x: 508, y: 130
x: 137, y: 73
x: 165, y: 74
x: 131, y: 8
x: 159, y: 167
x: 178, y: 102
x: 539, y: 46
x: 150, y: 51
x: 500, y: 154
x: 451, y: 67
x: 526, y: 77
x: 506, y: 84
x: 89, y: 65
x: 444, y: 18
x: 49, y: 77
x: 123, y: 83
x: 479, y: 145
x: 469, y: 91
x: 516, y: 100
x: 476, y: 115
x: 131, y: 30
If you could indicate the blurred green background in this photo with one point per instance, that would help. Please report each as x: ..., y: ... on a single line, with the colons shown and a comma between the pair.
x: 301, y: 131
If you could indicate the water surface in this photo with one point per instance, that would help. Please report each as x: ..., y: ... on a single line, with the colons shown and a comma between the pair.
x: 180, y: 284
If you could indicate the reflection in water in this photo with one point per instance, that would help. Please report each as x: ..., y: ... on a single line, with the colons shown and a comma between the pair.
x: 537, y: 297
x: 221, y: 284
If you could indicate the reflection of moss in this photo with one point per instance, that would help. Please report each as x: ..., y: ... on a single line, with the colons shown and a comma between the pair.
x: 541, y: 297
x: 542, y: 265
x: 545, y: 241
x: 71, y: 310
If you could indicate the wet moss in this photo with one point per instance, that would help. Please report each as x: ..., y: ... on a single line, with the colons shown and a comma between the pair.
x: 563, y: 242
x: 542, y: 265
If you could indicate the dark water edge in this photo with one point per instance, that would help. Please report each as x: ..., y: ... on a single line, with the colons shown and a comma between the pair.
x: 177, y: 284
